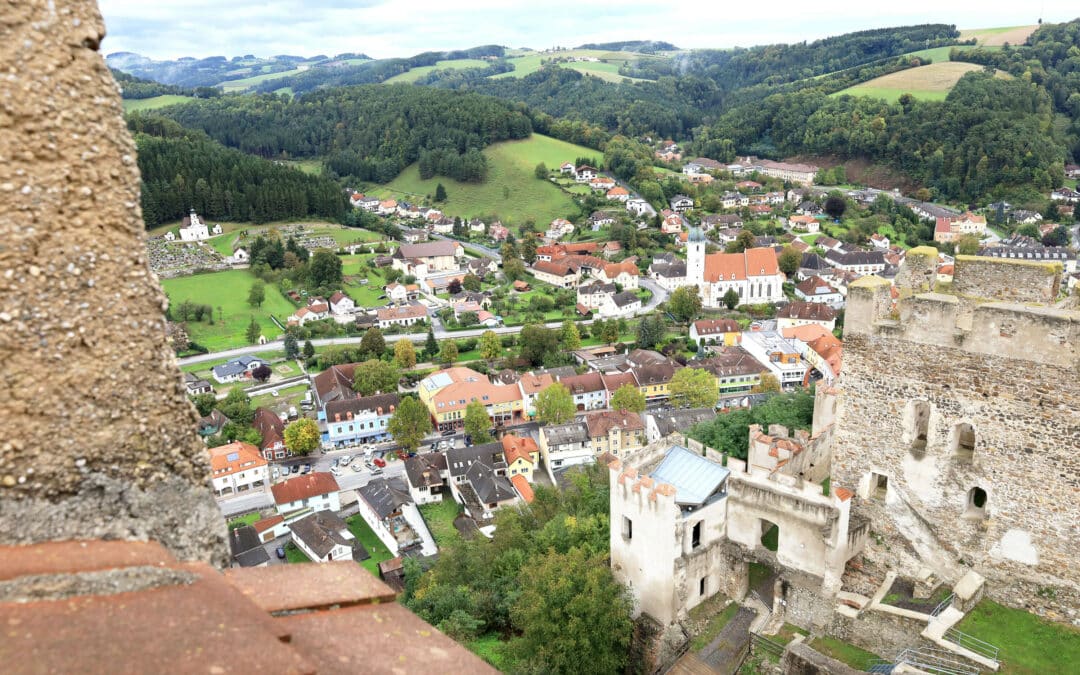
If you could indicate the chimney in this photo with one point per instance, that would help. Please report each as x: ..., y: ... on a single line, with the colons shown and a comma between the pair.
x: 337, y: 417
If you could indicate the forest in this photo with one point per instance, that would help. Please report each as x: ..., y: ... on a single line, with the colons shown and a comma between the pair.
x: 136, y: 87
x: 183, y: 169
x: 364, y: 133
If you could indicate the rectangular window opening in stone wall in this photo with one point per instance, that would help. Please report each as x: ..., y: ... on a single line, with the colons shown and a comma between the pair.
x: 627, y: 528
x: 976, y: 504
x: 919, y: 428
x: 879, y: 486
x: 695, y: 537
x: 701, y: 587
x: 963, y: 437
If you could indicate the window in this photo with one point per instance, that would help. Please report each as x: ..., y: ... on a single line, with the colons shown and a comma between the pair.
x: 920, y: 425
x: 695, y: 537
x: 879, y: 486
x: 964, y: 442
x: 976, y: 504
x: 627, y: 528
x: 701, y: 586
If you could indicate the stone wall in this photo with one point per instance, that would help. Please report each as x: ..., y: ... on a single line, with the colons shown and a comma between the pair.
x: 99, y: 438
x: 1010, y: 373
x: 1006, y: 280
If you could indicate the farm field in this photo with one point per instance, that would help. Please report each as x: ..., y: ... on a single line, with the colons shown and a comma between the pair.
x: 154, y: 102
x: 511, y: 191
x: 997, y: 37
x: 231, y: 86
x: 931, y: 83
x: 416, y: 73
x: 530, y: 63
x: 227, y: 290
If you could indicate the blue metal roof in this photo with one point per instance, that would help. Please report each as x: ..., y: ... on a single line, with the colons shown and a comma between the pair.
x: 694, y: 478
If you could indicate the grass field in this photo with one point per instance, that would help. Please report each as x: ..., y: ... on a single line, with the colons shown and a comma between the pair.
x: 1028, y: 644
x: 378, y: 551
x: 512, y: 192
x: 996, y: 37
x: 230, y: 86
x: 312, y: 166
x: 227, y: 290
x: 439, y: 517
x: 931, y: 83
x: 416, y: 73
x: 154, y: 102
x: 607, y: 70
x: 857, y: 658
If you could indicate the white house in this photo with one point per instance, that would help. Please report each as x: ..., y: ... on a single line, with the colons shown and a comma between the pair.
x: 341, y: 303
x: 681, y: 204
x: 637, y: 206
x: 560, y: 227
x: 237, y: 467
x: 323, y: 537
x: 237, y: 369
x: 405, y: 315
x: 240, y: 255
x: 816, y: 290
x: 584, y: 174
x: 193, y: 229
x: 384, y: 504
x: 426, y: 475
x: 317, y: 491
x: 563, y: 445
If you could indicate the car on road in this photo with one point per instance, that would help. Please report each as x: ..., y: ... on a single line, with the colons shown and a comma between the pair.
x: 336, y: 471
x: 334, y: 463
x: 379, y: 462
x: 295, y: 468
x: 280, y: 552
x: 376, y: 471
x: 347, y: 459
x: 307, y: 468
x: 358, y: 467
x: 449, y: 432
x: 274, y: 473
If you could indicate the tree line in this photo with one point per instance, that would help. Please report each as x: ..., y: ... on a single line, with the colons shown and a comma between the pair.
x: 365, y: 133
x: 184, y: 170
x: 132, y: 87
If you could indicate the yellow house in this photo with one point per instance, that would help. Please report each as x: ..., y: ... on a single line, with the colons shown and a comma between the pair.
x: 448, y: 393
x: 724, y: 332
x: 522, y: 456
x: 653, y: 372
x: 615, y: 431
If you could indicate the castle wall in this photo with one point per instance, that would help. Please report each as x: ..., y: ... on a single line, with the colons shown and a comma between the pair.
x: 1007, y: 370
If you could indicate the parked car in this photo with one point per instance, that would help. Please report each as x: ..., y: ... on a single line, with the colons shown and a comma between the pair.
x: 379, y: 462
x: 334, y: 463
x: 376, y: 471
x: 281, y: 552
x: 449, y: 432
x: 295, y: 468
x: 347, y: 459
x: 358, y: 467
x: 274, y: 473
x: 307, y: 468
x: 336, y: 471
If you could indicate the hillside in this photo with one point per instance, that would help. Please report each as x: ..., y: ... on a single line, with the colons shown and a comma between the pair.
x: 603, y: 64
x: 218, y: 70
x: 930, y: 83
x: 414, y: 74
x: 154, y: 102
x: 997, y: 37
x: 512, y: 192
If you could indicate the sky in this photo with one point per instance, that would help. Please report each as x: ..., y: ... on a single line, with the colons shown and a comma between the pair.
x: 168, y: 29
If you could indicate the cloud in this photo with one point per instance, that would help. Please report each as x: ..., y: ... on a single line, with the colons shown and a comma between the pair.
x: 383, y: 28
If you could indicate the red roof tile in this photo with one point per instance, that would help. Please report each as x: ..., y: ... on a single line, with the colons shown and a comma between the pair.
x: 304, y: 487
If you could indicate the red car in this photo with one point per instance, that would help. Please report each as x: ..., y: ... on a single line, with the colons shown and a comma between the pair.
x: 380, y: 463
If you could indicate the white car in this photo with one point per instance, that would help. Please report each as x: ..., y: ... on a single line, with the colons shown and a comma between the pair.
x: 336, y: 471
x: 344, y: 461
x: 274, y: 473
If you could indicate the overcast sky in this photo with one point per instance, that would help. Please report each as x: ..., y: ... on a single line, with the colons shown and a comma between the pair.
x: 167, y: 29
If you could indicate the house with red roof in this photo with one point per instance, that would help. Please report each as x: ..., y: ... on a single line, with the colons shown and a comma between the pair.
x: 317, y: 491
x: 522, y: 456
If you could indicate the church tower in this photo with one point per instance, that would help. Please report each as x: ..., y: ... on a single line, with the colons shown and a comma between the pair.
x: 695, y: 259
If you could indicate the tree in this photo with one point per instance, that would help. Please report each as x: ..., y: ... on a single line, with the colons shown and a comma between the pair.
x: 576, y: 589
x: 693, y: 388
x: 1058, y: 236
x: 555, y: 405
x: 375, y: 377
x: 404, y: 353
x: 538, y: 343
x: 789, y: 261
x: 731, y: 298
x: 471, y: 282
x: 261, y: 372
x: 628, y: 397
x: 257, y: 294
x: 302, y: 436
x: 237, y: 407
x: 569, y: 336
x: 324, y: 270
x: 448, y: 353
x: 685, y: 303
x: 650, y: 331
x: 410, y: 423
x: 440, y: 193
x: 253, y: 331
x: 204, y: 403
x: 835, y: 205
x: 528, y: 249
x: 490, y: 345
x: 292, y: 348
x: 743, y: 241
x: 610, y: 333
x: 513, y: 269
x: 309, y: 349
x: 968, y: 244
x: 477, y: 422
x: 768, y: 384
x: 454, y: 287
x: 541, y: 171
x: 431, y: 347
x: 373, y: 344
x: 1029, y: 230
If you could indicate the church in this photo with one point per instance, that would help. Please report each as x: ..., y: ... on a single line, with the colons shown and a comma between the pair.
x: 754, y: 274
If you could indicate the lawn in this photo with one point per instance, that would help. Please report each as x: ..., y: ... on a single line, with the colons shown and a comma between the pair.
x: 511, y: 192
x: 607, y: 70
x: 154, y: 102
x: 440, y: 520
x: 489, y: 648
x: 249, y: 519
x: 857, y: 658
x: 996, y: 37
x: 416, y: 73
x: 811, y: 238
x: 378, y: 551
x: 716, y: 624
x: 289, y: 396
x: 294, y: 554
x: 228, y: 291
x: 931, y: 83
x: 204, y: 367
x: 229, y: 86
x: 311, y: 166
x: 1028, y: 644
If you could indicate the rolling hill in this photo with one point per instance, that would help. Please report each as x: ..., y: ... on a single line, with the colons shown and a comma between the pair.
x: 511, y: 191
x: 606, y: 67
x: 931, y: 83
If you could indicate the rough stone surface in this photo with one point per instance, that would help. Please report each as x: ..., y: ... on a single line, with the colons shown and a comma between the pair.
x: 799, y: 659
x: 1002, y: 363
x: 102, y: 582
x: 99, y: 438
